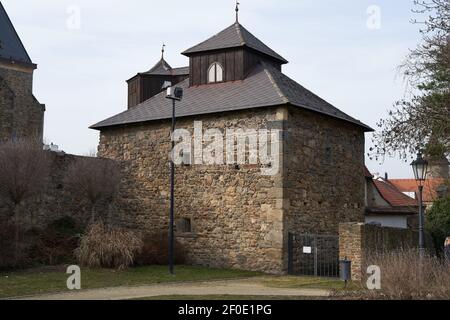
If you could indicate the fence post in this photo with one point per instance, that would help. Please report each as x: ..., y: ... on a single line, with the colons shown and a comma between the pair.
x: 315, y: 257
x: 290, y: 253
x: 447, y: 250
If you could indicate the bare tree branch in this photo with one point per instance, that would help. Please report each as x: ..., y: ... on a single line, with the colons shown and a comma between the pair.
x: 93, y: 179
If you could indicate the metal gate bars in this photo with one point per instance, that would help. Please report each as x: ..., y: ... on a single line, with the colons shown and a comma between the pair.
x: 313, y: 255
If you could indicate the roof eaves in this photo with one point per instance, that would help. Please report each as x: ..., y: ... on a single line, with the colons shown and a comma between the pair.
x: 18, y: 62
x: 100, y: 125
x: 391, y: 210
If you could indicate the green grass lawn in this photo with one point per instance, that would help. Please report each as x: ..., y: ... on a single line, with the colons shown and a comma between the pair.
x: 34, y: 282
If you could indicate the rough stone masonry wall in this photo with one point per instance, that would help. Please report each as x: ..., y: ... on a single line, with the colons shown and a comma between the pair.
x: 357, y: 241
x: 234, y: 211
x: 6, y: 110
x: 21, y: 115
x: 55, y: 202
x: 241, y: 219
x: 324, y: 182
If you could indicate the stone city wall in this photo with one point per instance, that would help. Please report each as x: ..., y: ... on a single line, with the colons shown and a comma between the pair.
x: 357, y: 241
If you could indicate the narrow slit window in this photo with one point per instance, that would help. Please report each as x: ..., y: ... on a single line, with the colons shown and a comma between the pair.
x: 215, y: 73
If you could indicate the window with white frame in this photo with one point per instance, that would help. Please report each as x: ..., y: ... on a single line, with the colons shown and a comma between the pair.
x: 215, y: 73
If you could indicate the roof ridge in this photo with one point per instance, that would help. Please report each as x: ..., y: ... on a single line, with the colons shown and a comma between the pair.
x: 239, y: 32
x: 274, y: 83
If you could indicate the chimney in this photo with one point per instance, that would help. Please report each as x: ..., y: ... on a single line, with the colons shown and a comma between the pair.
x: 386, y: 176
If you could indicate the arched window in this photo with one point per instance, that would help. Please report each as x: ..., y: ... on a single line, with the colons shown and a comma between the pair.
x: 215, y: 73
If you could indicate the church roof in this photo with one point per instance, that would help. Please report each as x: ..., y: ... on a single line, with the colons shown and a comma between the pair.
x: 234, y: 36
x: 266, y: 86
x: 11, y: 47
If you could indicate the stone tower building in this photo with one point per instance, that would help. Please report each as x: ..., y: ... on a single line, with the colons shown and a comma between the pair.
x: 21, y: 115
x: 231, y: 215
x: 439, y: 169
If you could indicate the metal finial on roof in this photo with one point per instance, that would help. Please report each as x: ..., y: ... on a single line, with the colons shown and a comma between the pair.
x: 162, y: 51
x: 237, y: 11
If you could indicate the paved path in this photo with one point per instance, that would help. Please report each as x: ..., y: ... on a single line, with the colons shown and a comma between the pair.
x: 246, y: 287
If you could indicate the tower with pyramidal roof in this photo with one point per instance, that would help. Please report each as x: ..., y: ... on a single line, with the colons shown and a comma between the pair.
x: 21, y: 114
x: 227, y: 213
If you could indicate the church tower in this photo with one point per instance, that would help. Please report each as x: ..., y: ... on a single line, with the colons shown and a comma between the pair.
x: 21, y: 115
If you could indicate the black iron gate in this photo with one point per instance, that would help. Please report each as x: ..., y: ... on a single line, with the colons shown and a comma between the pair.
x: 314, y: 255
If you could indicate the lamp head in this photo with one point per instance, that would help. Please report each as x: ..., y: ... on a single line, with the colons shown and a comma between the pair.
x: 174, y: 93
x: 420, y: 168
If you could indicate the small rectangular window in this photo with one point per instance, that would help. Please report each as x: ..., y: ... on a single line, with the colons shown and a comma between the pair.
x: 184, y: 225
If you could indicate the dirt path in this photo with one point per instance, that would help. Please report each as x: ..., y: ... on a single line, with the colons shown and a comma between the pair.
x: 230, y: 287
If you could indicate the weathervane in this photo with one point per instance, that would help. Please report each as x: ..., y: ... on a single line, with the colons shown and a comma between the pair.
x: 237, y: 11
x: 162, y: 51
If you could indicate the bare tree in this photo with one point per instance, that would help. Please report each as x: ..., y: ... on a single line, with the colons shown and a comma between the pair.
x: 95, y: 180
x: 422, y: 119
x: 24, y: 172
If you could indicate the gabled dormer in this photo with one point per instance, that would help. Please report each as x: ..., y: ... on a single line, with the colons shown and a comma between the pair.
x: 229, y: 56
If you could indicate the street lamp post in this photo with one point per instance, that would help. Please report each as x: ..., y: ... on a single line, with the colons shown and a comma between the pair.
x: 420, y: 167
x: 174, y: 94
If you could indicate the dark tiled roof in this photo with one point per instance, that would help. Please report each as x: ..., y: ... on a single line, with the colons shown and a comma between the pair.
x: 183, y: 71
x: 162, y: 68
x: 234, y: 36
x: 264, y: 87
x: 11, y: 48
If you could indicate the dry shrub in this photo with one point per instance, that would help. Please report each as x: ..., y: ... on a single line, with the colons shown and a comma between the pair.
x: 155, y: 251
x: 107, y: 247
x: 56, y: 243
x: 404, y: 277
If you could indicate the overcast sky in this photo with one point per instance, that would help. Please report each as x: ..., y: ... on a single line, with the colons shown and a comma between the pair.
x: 347, y: 52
